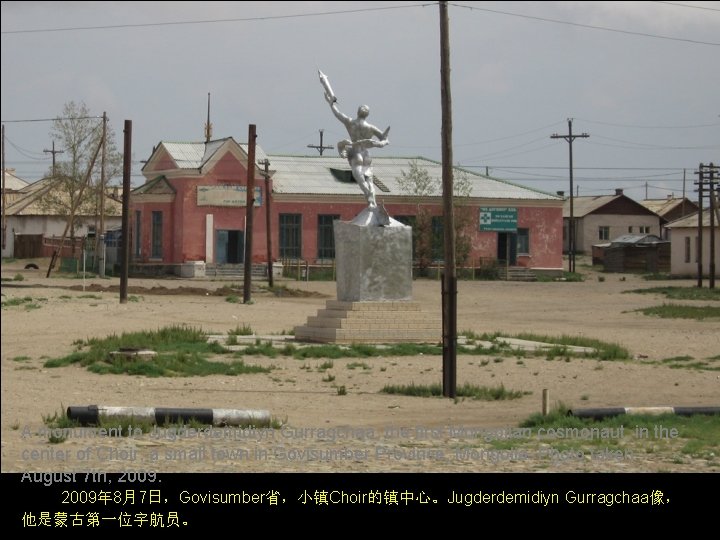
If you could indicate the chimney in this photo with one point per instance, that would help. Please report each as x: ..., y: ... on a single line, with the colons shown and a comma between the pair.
x: 618, y: 191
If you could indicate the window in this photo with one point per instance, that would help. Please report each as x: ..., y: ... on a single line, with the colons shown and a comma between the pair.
x: 697, y: 248
x: 645, y: 229
x: 138, y: 236
x: 326, y: 238
x: 630, y: 229
x: 290, y: 236
x: 687, y: 249
x: 157, y: 234
x: 523, y: 241
x: 604, y: 232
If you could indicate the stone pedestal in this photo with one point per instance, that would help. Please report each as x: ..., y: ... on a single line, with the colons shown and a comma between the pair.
x: 371, y: 322
x: 374, y: 290
x: 373, y: 264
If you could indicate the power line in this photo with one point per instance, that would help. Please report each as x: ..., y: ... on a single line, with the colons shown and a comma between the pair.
x: 592, y: 27
x: 688, y: 6
x: 214, y: 21
x: 715, y: 124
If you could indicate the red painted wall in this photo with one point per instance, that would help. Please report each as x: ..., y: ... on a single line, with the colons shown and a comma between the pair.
x: 185, y: 236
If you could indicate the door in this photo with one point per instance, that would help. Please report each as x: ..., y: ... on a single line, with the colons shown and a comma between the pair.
x: 229, y: 246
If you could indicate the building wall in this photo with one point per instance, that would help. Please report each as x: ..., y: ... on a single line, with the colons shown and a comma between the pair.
x: 588, y: 228
x: 678, y: 265
x: 544, y: 224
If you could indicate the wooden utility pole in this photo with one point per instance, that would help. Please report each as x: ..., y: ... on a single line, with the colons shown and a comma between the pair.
x: 4, y: 197
x: 53, y: 152
x: 268, y: 220
x: 449, y: 283
x: 100, y: 234
x: 571, y: 223
x: 125, y: 266
x: 249, y: 213
x: 320, y: 148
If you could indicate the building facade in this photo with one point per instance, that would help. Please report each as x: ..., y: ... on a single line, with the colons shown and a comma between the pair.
x: 193, y: 208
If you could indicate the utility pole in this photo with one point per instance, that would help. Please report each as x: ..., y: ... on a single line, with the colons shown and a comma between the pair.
x: 53, y: 152
x: 125, y: 250
x: 268, y: 219
x: 4, y: 197
x: 571, y: 223
x: 449, y: 281
x: 706, y: 188
x: 320, y: 148
x: 100, y: 234
x: 249, y: 213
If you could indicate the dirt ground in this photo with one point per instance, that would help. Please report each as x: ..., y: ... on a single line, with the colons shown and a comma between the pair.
x: 364, y: 430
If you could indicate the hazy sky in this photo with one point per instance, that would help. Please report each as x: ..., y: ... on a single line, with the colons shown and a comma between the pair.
x: 641, y: 78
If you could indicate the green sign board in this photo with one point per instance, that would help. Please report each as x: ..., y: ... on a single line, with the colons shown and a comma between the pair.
x: 501, y: 219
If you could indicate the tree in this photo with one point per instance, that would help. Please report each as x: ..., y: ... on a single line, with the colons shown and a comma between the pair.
x: 79, y: 135
x: 427, y: 240
x: 418, y: 182
x: 462, y: 188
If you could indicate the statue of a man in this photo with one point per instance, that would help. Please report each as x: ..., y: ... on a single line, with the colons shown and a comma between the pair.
x: 361, y: 139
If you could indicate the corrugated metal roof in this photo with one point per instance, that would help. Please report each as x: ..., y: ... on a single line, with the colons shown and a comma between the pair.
x: 637, y: 239
x: 12, y: 182
x: 193, y: 155
x: 313, y: 175
x: 583, y: 206
x: 692, y: 221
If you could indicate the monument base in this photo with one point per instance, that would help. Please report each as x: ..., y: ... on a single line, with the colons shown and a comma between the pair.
x: 371, y: 322
x: 373, y: 264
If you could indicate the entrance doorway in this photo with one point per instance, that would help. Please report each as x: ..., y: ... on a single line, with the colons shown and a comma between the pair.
x: 507, y: 248
x: 229, y: 247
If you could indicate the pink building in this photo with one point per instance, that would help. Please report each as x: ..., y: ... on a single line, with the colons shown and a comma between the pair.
x: 193, y: 208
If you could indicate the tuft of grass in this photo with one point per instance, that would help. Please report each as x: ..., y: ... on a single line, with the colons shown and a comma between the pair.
x: 233, y: 299
x: 17, y: 301
x: 328, y: 364
x: 56, y: 423
x: 467, y: 390
x: 341, y: 391
x: 353, y: 365
x: 19, y: 277
x: 231, y: 340
x: 21, y: 358
x: 244, y: 330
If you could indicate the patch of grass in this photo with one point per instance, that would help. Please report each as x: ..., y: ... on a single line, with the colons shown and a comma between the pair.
x: 19, y: 277
x: 260, y: 349
x: 326, y: 365
x: 133, y: 298
x: 56, y: 423
x: 467, y: 390
x: 65, y: 297
x: 182, y: 351
x: 91, y: 296
x: 674, y: 359
x: 341, y: 391
x: 17, y: 301
x: 678, y: 311
x: 231, y: 340
x: 244, y: 330
x: 288, y: 350
x: 682, y: 293
x: 21, y: 359
x: 233, y: 299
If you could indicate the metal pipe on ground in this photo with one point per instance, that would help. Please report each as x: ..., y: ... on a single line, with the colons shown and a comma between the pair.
x: 617, y: 411
x: 162, y: 415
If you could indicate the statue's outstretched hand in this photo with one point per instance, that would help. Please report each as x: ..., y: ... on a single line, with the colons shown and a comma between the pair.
x: 330, y: 99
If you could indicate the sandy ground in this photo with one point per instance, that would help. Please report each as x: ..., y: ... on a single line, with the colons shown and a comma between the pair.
x: 363, y: 430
